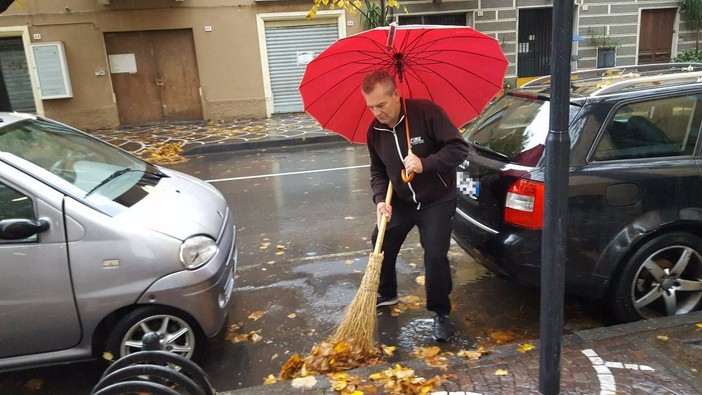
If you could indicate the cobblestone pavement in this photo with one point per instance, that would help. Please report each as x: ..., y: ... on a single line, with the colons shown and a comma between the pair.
x: 170, y: 142
x: 661, y: 356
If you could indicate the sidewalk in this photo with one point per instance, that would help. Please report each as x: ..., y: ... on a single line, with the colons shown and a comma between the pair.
x: 662, y: 356
x: 192, y: 138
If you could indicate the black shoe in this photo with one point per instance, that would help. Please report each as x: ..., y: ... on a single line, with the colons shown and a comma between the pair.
x: 386, y: 300
x: 443, y: 328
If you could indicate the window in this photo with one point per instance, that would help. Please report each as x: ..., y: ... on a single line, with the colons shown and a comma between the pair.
x: 650, y: 129
x: 15, y: 205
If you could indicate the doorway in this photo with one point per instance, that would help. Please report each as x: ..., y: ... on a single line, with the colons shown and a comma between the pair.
x: 154, y: 76
x: 656, y: 35
x: 534, y: 46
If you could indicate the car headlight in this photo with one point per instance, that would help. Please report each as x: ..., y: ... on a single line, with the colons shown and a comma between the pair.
x: 196, y: 251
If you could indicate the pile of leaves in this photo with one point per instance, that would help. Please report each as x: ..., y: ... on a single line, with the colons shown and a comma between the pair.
x: 164, y: 153
x: 402, y: 381
x: 328, y: 357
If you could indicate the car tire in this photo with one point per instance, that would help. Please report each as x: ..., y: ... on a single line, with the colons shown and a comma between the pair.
x: 177, y: 333
x: 663, y: 277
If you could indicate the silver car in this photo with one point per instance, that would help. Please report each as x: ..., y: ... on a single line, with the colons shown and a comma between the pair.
x: 98, y: 247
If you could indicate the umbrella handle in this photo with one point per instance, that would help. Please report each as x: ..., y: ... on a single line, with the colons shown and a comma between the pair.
x: 383, y: 223
x: 407, y: 176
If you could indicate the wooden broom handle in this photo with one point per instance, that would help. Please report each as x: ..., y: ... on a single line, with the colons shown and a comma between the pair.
x: 407, y: 177
x: 383, y: 223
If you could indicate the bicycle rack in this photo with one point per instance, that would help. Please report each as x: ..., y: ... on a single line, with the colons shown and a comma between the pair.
x: 155, y: 371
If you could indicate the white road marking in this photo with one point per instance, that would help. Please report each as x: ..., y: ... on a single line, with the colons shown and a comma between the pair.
x: 608, y: 386
x: 292, y: 173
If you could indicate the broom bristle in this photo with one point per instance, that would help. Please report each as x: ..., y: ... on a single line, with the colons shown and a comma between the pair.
x: 358, y: 323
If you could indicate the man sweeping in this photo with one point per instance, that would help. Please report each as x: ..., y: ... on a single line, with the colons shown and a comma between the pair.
x: 432, y: 149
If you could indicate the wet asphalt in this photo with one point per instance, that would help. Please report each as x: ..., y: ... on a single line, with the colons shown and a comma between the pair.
x: 304, y: 216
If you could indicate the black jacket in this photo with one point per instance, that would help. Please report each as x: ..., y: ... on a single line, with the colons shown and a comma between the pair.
x: 434, y: 139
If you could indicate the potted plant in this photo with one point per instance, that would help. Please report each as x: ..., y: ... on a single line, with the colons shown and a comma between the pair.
x: 606, y: 48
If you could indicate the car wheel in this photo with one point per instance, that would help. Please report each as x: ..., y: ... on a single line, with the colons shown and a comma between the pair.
x: 662, y: 278
x: 176, y: 333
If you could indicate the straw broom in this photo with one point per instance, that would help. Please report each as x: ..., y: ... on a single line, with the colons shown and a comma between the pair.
x: 358, y: 323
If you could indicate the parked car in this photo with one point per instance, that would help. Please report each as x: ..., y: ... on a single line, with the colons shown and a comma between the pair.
x: 634, y: 225
x: 98, y: 247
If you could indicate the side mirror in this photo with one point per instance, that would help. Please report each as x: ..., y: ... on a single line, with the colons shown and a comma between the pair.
x: 20, y: 228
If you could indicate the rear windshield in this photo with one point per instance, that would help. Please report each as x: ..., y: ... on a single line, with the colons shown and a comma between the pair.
x: 512, y: 128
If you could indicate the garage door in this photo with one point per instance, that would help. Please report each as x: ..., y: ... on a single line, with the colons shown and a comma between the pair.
x: 289, y: 49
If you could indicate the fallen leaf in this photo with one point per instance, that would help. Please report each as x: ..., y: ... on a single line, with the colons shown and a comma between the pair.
x: 255, y: 337
x: 256, y: 315
x: 280, y: 253
x: 502, y: 337
x: 474, y: 354
x: 501, y: 372
x: 304, y: 382
x: 421, y: 280
x: 34, y: 384
x: 388, y: 350
x: 349, y: 261
x: 426, y: 352
x: 270, y: 380
x: 292, y: 315
x: 108, y: 356
x: 349, y: 218
x: 662, y: 338
x: 525, y: 347
x: 274, y: 356
x: 699, y: 325
x: 270, y: 262
x: 280, y: 247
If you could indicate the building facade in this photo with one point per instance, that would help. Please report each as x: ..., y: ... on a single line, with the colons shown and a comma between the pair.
x: 105, y: 63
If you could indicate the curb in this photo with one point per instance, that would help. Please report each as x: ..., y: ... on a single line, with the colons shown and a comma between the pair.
x: 499, y: 353
x: 251, y: 145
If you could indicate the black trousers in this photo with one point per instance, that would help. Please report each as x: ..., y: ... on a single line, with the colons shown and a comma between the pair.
x: 434, y: 225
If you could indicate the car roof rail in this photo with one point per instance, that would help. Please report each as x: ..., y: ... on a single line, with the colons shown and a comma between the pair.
x: 612, y: 79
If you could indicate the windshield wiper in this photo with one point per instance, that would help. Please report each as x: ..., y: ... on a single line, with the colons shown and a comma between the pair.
x: 110, y: 178
x: 488, y: 150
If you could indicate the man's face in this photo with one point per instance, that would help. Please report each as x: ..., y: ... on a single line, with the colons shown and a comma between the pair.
x: 384, y: 105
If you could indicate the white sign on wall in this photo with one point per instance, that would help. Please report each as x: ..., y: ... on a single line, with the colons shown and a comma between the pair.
x: 52, y: 70
x: 123, y: 63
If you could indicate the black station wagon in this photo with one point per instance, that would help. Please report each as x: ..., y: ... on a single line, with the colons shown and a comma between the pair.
x: 635, y: 188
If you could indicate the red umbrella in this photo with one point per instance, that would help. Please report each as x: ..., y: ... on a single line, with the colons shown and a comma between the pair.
x: 457, y: 67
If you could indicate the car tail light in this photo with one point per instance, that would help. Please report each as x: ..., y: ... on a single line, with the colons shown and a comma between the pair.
x: 524, y: 205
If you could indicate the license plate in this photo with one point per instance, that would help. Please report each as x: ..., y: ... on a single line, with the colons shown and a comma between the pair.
x: 468, y: 186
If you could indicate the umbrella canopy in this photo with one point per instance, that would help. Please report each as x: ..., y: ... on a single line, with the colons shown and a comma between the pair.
x: 456, y: 67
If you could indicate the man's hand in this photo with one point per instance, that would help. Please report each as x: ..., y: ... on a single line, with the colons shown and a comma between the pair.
x: 383, y: 209
x: 413, y: 164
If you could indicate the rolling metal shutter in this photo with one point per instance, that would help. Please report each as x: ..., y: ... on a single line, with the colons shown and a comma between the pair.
x: 13, y: 63
x: 289, y: 48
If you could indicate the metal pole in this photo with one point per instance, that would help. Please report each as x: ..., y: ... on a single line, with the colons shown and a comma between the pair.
x: 553, y: 245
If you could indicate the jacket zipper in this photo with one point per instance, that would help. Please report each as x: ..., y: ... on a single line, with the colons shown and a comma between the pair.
x: 399, y: 153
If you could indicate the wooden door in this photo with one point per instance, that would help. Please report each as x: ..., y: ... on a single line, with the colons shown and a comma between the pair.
x: 164, y: 86
x: 656, y: 35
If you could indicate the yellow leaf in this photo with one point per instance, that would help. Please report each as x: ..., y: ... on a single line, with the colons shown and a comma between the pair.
x: 421, y: 280
x: 292, y: 315
x: 304, y: 382
x: 472, y: 355
x: 525, y: 347
x: 270, y: 379
x: 255, y: 337
x: 280, y: 247
x: 34, y: 384
x: 349, y: 218
x: 699, y: 325
x: 662, y: 338
x: 274, y: 356
x: 270, y: 262
x: 358, y: 3
x: 349, y: 262
x: 388, y: 350
x: 280, y: 253
x: 256, y: 315
x: 108, y: 356
x: 426, y: 352
x: 501, y: 372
